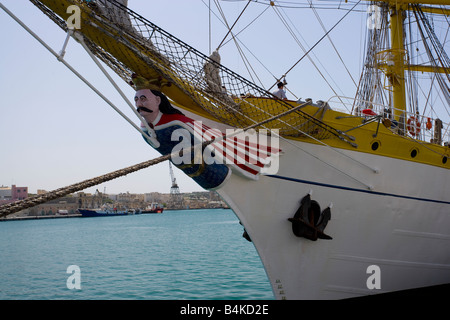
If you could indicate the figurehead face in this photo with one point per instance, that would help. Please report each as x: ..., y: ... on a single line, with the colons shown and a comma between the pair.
x: 149, y: 99
x: 147, y: 104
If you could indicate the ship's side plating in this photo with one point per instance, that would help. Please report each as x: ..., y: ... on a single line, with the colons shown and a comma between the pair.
x: 398, y: 226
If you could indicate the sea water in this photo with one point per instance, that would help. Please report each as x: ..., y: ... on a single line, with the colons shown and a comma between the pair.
x: 186, y: 254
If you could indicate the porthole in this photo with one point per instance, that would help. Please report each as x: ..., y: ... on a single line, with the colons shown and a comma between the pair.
x: 444, y: 159
x: 375, y: 145
x: 414, y: 153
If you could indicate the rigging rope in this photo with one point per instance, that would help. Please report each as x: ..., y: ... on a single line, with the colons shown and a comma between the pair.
x: 17, y: 206
x: 331, y: 41
x: 370, y: 88
x: 283, y: 20
x: 229, y: 30
x: 241, y: 52
x: 438, y: 49
x: 234, y: 37
x: 320, y: 40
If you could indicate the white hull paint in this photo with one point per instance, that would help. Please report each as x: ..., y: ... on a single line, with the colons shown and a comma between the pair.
x: 401, y: 225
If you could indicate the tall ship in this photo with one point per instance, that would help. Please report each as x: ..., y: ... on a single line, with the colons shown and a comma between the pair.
x: 342, y: 197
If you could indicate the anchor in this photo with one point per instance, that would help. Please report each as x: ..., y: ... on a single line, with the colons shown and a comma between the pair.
x: 308, y: 222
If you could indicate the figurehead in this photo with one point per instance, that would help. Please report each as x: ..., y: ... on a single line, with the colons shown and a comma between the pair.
x: 149, y: 99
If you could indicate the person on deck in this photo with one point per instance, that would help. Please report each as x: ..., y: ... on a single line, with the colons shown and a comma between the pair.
x: 280, y: 93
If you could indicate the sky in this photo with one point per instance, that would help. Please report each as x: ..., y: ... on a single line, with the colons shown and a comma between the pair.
x: 55, y: 131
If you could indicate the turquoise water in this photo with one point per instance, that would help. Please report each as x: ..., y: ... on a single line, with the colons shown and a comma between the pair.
x: 194, y: 254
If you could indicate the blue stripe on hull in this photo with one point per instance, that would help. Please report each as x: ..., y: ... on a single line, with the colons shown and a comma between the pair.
x: 356, y: 190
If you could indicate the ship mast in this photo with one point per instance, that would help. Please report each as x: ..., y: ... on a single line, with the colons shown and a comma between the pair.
x: 395, y: 63
x: 397, y: 71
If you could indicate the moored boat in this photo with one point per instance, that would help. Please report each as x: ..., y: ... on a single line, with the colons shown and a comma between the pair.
x: 106, y: 212
x: 153, y: 208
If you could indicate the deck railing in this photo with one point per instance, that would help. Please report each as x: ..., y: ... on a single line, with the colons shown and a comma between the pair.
x: 420, y: 127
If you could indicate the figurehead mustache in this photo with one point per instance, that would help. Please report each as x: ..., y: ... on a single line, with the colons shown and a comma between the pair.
x: 144, y: 109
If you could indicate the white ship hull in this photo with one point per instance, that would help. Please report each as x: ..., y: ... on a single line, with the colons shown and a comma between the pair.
x: 401, y: 225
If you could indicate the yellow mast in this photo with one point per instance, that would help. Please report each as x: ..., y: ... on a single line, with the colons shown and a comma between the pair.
x: 395, y: 65
x: 397, y: 71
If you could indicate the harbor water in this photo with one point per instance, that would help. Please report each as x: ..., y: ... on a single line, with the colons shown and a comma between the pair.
x: 189, y: 254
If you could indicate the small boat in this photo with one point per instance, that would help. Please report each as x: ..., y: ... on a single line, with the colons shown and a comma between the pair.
x: 106, y: 213
x: 153, y: 208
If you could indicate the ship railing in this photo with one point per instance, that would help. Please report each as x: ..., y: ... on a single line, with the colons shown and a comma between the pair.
x: 412, y: 124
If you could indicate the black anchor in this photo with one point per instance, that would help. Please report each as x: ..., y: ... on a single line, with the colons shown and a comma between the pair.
x: 308, y: 222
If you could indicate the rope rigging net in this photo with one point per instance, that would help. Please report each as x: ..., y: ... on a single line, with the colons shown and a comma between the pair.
x: 128, y: 43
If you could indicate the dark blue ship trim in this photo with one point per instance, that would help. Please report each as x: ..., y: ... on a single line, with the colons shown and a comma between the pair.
x: 356, y: 190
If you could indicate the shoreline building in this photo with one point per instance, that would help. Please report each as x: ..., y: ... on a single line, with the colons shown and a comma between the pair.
x: 13, y: 193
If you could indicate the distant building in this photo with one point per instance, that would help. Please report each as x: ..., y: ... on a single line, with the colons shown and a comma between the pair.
x: 12, y: 194
x: 19, y: 193
x: 71, y: 203
x: 152, y: 197
x: 89, y: 201
x: 5, y: 193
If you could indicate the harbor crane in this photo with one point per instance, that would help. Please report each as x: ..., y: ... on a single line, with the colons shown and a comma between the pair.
x: 176, y: 198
